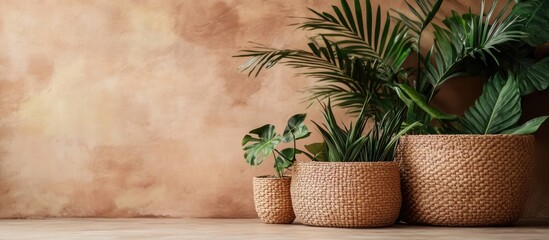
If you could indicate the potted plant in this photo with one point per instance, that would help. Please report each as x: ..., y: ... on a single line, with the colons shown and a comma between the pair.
x: 478, y: 176
x: 478, y: 172
x: 358, y: 54
x: 352, y: 181
x: 272, y: 193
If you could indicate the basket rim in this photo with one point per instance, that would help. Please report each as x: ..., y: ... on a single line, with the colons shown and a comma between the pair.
x: 392, y: 162
x: 272, y: 177
x: 468, y: 136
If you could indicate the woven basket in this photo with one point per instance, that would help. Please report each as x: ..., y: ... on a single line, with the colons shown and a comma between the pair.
x: 346, y: 194
x: 464, y: 180
x: 273, y: 203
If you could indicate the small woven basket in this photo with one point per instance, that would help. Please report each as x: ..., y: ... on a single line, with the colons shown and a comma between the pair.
x: 273, y: 203
x: 464, y: 180
x: 346, y: 194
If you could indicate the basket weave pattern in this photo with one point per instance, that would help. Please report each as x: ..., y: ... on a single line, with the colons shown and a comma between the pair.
x: 464, y: 180
x: 346, y: 194
x: 273, y: 203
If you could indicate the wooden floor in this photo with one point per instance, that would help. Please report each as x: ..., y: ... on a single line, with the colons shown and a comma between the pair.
x: 245, y: 229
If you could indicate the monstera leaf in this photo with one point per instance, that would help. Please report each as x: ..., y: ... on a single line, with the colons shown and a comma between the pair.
x: 256, y: 149
x: 284, y: 160
x: 317, y: 151
x: 496, y: 110
x: 296, y: 129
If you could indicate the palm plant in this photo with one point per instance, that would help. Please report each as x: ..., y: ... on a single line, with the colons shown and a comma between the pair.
x: 350, y: 144
x: 357, y: 55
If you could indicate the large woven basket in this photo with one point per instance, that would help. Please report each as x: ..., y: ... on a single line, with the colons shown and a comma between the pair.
x: 272, y: 200
x: 345, y: 194
x: 464, y: 180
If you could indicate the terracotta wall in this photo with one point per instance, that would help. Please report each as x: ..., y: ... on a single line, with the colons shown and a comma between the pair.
x: 135, y: 108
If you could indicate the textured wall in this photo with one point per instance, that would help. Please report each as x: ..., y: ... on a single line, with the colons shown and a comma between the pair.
x: 135, y: 108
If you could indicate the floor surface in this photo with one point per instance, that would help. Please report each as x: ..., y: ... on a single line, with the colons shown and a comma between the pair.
x: 151, y: 228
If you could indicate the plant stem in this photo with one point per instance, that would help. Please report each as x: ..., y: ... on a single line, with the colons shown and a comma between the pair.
x: 295, y: 149
x: 419, y: 83
x: 282, y: 155
x: 278, y: 173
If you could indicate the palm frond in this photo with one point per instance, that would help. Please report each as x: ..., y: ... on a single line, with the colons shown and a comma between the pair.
x: 427, y: 11
x: 348, y: 80
x: 470, y: 37
x: 362, y: 33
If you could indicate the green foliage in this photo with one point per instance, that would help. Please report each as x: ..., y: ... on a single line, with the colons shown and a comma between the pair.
x: 410, y: 96
x: 348, y: 144
x: 468, y: 39
x: 533, y: 76
x: 536, y: 17
x: 357, y: 52
x: 465, y: 42
x: 296, y: 129
x: 427, y: 11
x: 263, y: 141
x: 318, y: 151
x: 343, y: 144
x: 528, y: 127
x: 257, y: 148
x: 497, y: 109
x: 355, y: 59
x: 363, y: 33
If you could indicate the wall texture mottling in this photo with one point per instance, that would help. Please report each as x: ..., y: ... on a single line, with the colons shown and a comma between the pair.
x: 135, y: 108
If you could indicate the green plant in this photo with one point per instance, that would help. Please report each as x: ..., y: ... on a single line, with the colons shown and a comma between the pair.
x: 357, y: 54
x: 263, y: 141
x: 472, y: 44
x: 497, y: 110
x: 349, y: 144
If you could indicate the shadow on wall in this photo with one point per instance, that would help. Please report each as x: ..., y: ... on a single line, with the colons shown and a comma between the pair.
x: 536, y: 105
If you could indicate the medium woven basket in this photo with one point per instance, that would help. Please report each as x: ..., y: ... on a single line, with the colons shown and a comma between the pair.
x: 346, y: 194
x: 464, y: 180
x: 273, y: 203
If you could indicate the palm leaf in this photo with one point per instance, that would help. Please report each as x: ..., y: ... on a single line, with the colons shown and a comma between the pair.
x: 470, y: 36
x: 362, y: 33
x: 349, y: 81
x: 496, y: 110
x: 427, y: 11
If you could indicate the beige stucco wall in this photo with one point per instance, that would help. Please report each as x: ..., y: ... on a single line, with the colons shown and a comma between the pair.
x: 135, y: 108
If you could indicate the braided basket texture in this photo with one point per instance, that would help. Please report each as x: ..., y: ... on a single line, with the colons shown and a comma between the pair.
x: 346, y: 194
x: 272, y: 200
x: 464, y: 180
